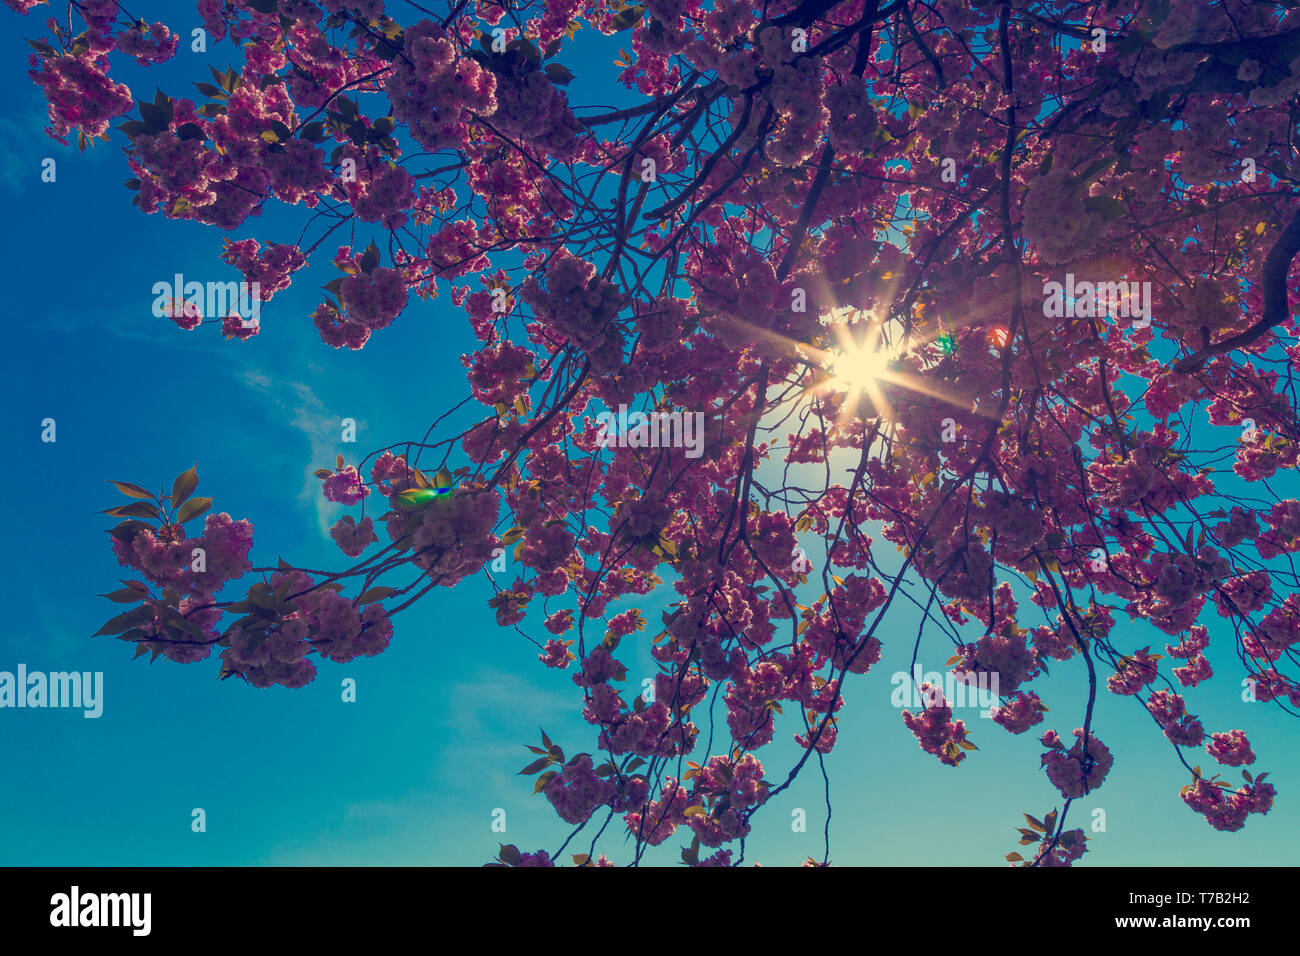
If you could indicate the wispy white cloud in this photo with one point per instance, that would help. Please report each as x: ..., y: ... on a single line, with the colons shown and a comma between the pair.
x: 308, y: 415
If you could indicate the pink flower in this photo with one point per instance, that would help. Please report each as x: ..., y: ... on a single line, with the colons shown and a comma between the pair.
x: 353, y: 537
x: 1231, y: 749
x: 556, y: 654
x: 1075, y: 772
x: 1023, y: 712
x: 345, y: 486
x: 152, y: 43
x: 937, y: 732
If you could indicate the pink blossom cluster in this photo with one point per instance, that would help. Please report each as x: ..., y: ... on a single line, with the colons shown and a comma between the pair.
x: 1231, y: 749
x: 1021, y: 713
x: 655, y: 822
x: 533, y: 110
x: 1075, y: 772
x: 1278, y: 631
x: 370, y: 302
x: 1069, y: 848
x: 391, y: 474
x: 749, y: 699
x: 271, y: 268
x: 1006, y: 655
x: 165, y: 556
x: 580, y: 306
x: 381, y: 191
x: 276, y: 651
x: 937, y: 732
x: 452, y: 536
x: 1170, y: 712
x: 555, y: 654
x: 80, y: 92
x: 353, y: 536
x: 1226, y: 809
x: 576, y: 791
x: 1135, y: 671
x: 434, y: 90
x: 345, y: 486
x: 1283, y: 534
x: 148, y: 43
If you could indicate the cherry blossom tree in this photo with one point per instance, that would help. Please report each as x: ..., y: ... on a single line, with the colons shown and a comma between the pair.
x: 1005, y: 285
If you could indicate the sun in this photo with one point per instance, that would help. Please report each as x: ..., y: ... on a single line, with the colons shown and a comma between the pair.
x: 857, y: 366
x: 867, y: 360
x: 861, y: 363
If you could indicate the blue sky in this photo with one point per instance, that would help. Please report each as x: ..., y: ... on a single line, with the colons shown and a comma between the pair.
x: 412, y: 772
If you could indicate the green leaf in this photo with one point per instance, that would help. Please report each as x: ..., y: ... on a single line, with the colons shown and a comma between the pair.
x: 1106, y: 206
x: 124, y: 596
x: 628, y: 18
x: 130, y: 490
x: 1036, y: 824
x: 415, y: 497
x: 164, y: 103
x: 155, y: 120
x: 261, y: 595
x: 184, y: 486
x: 371, y: 595
x: 193, y: 508
x: 189, y: 627
x: 127, y: 530
x: 136, y: 509
x: 509, y: 854
x: 126, y: 621
x: 535, y: 766
x: 313, y: 132
x: 370, y: 258
x: 558, y: 73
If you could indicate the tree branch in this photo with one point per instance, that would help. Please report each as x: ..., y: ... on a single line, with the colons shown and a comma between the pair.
x: 1276, y: 307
